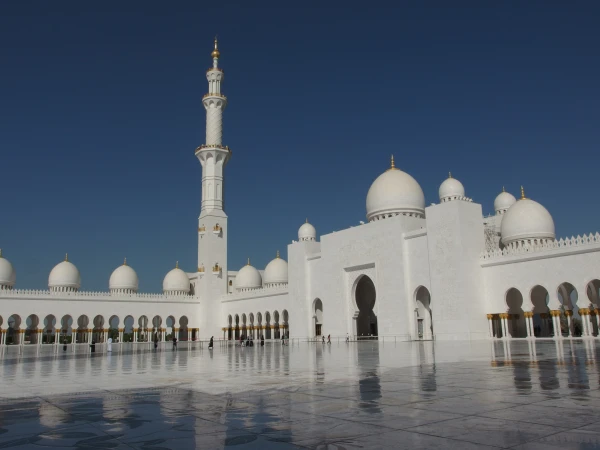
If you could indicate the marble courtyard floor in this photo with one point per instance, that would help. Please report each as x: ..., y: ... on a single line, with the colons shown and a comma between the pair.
x: 368, y: 395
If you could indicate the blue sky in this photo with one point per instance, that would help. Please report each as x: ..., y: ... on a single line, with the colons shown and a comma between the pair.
x: 101, y: 112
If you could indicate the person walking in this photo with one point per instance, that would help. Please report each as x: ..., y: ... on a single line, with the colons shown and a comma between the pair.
x: 93, y: 347
x: 210, y: 344
x: 65, y: 345
x: 347, y: 338
x: 323, y: 338
x: 155, y: 341
x: 174, y: 343
x: 329, y: 339
x: 262, y: 340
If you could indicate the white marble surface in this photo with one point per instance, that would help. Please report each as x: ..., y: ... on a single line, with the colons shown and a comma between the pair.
x: 358, y: 395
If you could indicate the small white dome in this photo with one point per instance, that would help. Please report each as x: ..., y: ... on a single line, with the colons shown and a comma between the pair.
x: 307, y: 232
x: 176, y: 282
x: 123, y: 278
x: 503, y: 201
x: 451, y: 188
x: 395, y: 192
x: 8, y: 275
x: 527, y: 220
x: 65, y: 277
x: 248, y: 277
x: 276, y: 271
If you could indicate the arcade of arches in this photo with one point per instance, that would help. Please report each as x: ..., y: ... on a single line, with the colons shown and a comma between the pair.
x: 269, y: 326
x: 53, y: 329
x: 536, y: 315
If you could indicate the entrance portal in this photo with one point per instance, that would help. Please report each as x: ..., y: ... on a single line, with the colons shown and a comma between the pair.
x: 366, y: 322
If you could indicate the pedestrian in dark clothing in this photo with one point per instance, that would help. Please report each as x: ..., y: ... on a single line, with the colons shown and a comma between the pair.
x: 262, y: 340
x: 174, y: 343
x: 65, y: 345
x: 93, y: 347
x: 155, y: 341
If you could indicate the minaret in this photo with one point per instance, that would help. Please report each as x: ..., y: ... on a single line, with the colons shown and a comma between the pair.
x: 212, y: 223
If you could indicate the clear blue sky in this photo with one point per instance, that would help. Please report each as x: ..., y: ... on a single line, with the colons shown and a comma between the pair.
x: 101, y: 112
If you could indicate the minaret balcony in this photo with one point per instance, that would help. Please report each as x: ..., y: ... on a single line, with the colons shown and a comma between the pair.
x: 214, y: 94
x: 217, y: 229
x: 201, y: 271
x: 202, y: 230
x: 216, y: 270
x: 212, y: 147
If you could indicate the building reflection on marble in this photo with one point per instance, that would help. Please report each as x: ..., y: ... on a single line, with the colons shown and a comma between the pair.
x: 472, y: 394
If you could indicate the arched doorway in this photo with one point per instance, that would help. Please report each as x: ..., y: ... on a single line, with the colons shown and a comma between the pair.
x: 318, y: 317
x: 277, y: 333
x: 516, y: 322
x: 229, y: 327
x: 128, y: 325
x: 542, y: 324
x: 423, y: 310
x: 237, y: 327
x: 268, y: 334
x: 98, y: 333
x: 31, y: 333
x: 143, y: 329
x: 286, y: 324
x: 593, y: 293
x: 183, y: 328
x: 365, y: 295
x: 13, y: 333
x: 82, y: 329
x: 570, y: 322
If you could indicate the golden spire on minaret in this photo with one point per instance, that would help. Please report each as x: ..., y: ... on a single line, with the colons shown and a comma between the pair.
x: 0, y: 253
x: 215, y: 53
x: 523, y: 193
x: 66, y: 256
x: 449, y: 174
x: 177, y: 264
x: 125, y: 261
x: 276, y: 256
x: 503, y: 190
x: 248, y: 262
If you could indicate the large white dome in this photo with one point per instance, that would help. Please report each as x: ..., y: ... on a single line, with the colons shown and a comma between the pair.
x: 248, y: 277
x: 176, y: 282
x: 276, y: 271
x: 123, y: 279
x: 503, y: 201
x: 64, y: 277
x: 8, y: 276
x: 395, y: 192
x: 527, y: 220
x: 451, y: 189
x: 307, y: 232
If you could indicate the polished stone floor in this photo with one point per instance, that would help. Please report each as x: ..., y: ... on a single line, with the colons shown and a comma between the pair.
x: 368, y: 395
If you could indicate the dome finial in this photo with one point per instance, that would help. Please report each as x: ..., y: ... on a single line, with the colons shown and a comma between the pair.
x: 306, y: 220
x: 392, y: 165
x: 503, y: 190
x: 0, y: 253
x: 248, y: 262
x: 449, y: 174
x: 177, y: 264
x: 276, y: 256
x: 215, y: 53
x: 66, y: 256
x: 523, y: 193
x: 125, y: 261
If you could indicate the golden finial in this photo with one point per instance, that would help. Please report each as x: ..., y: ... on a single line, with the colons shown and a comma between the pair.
x: 276, y: 256
x: 177, y: 264
x: 125, y: 261
x: 66, y: 256
x: 523, y: 193
x: 0, y: 253
x: 216, y: 53
x: 503, y: 190
x: 307, y: 220
x: 449, y: 174
x: 392, y: 165
x: 248, y: 262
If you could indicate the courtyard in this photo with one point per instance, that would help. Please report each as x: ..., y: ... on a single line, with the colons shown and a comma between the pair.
x: 520, y: 394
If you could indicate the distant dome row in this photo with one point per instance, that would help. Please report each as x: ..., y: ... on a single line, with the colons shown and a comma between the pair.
x: 276, y: 274
x: 395, y: 193
x: 65, y: 277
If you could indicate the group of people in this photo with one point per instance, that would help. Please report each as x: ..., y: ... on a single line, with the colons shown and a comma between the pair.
x: 248, y: 341
x: 328, y: 339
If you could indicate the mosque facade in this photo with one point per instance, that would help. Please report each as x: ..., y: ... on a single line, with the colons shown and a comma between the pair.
x: 411, y: 271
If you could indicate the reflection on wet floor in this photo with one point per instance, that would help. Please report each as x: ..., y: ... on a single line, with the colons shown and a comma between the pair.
x: 471, y: 395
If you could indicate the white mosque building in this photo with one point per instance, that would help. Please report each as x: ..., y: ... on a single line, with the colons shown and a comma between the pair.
x: 441, y: 272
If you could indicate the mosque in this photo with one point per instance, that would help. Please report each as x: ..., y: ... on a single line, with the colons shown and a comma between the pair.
x: 411, y: 271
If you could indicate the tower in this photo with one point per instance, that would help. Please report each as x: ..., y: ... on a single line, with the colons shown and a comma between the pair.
x: 212, y: 223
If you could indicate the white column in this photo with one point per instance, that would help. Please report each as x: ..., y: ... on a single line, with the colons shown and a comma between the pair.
x: 527, y: 315
x: 569, y: 315
x: 556, y: 323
